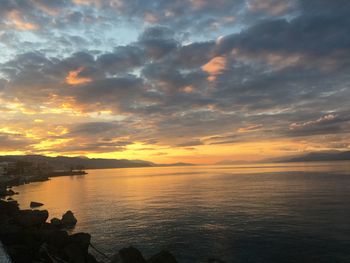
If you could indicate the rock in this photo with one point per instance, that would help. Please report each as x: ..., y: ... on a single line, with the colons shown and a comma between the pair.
x: 10, y: 233
x: 56, y: 222
x: 162, y: 257
x: 74, y: 253
x: 4, y: 192
x: 35, y: 204
x: 215, y: 260
x: 20, y: 253
x: 91, y: 259
x: 9, y: 208
x: 9, y: 199
x: 82, y: 240
x: 32, y: 218
x: 68, y: 219
x: 10, y: 192
x: 128, y: 255
x: 57, y: 240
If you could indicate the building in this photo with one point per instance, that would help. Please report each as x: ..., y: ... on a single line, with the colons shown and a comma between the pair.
x: 3, y: 168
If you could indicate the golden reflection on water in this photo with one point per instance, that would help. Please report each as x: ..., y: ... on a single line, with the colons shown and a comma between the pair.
x: 138, y: 187
x: 212, y: 206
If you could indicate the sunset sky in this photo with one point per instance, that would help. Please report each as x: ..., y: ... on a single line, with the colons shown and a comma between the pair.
x: 174, y: 80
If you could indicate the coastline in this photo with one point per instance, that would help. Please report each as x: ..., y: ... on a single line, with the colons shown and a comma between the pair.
x: 27, y: 235
x: 16, y: 180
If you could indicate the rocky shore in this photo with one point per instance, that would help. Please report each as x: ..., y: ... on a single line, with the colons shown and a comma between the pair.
x: 5, y: 183
x: 27, y: 237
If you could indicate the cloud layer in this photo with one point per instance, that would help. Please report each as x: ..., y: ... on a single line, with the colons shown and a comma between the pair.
x: 113, y: 77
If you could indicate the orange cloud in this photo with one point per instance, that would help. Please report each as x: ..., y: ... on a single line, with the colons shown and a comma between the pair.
x: 73, y: 77
x: 251, y: 128
x: 15, y: 19
x: 215, y: 67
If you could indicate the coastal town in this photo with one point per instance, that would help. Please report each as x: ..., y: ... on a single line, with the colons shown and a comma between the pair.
x: 18, y: 172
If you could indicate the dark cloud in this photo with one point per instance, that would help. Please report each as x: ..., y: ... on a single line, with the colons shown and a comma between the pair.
x: 282, y: 71
x: 14, y: 142
x: 190, y: 143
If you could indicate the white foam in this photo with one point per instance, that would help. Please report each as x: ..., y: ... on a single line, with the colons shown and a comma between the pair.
x: 4, y: 258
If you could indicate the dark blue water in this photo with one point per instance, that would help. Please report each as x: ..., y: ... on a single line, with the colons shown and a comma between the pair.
x: 270, y: 213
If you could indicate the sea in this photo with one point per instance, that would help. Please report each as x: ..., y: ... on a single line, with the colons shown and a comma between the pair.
x: 261, y: 213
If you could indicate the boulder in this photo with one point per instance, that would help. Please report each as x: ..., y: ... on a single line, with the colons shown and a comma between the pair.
x: 10, y: 233
x: 91, y: 259
x: 128, y: 255
x: 215, y: 260
x: 9, y: 208
x: 68, y: 219
x: 10, y: 192
x: 4, y: 192
x: 162, y: 257
x: 56, y: 222
x: 74, y: 253
x: 57, y: 240
x: 82, y: 240
x: 32, y: 218
x: 20, y: 253
x: 35, y: 204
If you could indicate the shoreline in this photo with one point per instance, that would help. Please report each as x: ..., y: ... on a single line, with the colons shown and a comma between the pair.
x: 27, y: 235
x: 16, y: 180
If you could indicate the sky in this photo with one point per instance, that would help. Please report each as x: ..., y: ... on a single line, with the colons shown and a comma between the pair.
x: 196, y: 81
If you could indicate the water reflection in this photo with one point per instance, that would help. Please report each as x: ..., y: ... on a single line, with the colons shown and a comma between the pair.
x: 261, y: 213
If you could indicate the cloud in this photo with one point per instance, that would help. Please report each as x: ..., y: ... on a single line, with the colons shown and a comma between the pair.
x: 273, y: 7
x: 190, y: 143
x: 201, y: 72
x: 215, y: 67
x: 14, y: 142
x: 73, y: 77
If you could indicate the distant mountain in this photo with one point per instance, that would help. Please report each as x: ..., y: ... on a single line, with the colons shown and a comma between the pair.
x: 231, y: 162
x: 320, y: 156
x: 63, y: 161
x: 175, y: 164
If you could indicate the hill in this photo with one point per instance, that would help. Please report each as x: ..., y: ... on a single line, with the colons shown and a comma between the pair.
x: 63, y: 161
x: 320, y: 156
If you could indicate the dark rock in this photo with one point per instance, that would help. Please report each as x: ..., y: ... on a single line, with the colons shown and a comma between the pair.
x: 128, y: 255
x: 82, y: 240
x: 20, y: 253
x: 10, y: 233
x: 10, y: 192
x: 47, y: 229
x: 32, y: 218
x: 74, y: 253
x: 9, y: 208
x: 4, y: 192
x: 162, y: 257
x: 35, y: 204
x: 57, y: 240
x: 68, y: 219
x: 9, y: 199
x: 215, y: 260
x: 91, y: 259
x: 56, y: 222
